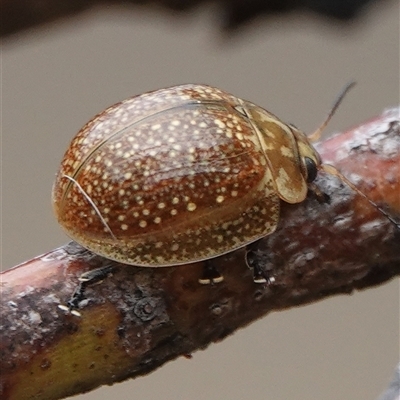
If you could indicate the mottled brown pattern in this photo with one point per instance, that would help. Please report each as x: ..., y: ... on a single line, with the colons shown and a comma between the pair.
x: 175, y: 176
x: 281, y: 150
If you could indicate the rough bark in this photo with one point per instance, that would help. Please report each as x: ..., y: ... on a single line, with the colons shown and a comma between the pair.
x: 139, y: 318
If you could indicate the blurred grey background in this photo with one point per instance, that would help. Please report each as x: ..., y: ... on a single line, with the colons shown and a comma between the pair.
x: 56, y: 78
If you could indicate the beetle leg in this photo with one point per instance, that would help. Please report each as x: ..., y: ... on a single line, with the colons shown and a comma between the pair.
x: 86, y: 279
x: 322, y: 197
x: 96, y: 275
x: 253, y: 261
x: 210, y: 274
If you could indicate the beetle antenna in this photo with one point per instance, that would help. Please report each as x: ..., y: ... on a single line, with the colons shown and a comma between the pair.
x: 91, y: 202
x: 333, y: 171
x: 317, y: 134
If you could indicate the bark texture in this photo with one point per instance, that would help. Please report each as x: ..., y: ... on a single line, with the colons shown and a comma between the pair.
x: 139, y: 318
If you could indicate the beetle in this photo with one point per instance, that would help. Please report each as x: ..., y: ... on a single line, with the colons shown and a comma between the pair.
x: 180, y: 175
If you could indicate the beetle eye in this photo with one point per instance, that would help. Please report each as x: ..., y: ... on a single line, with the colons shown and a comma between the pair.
x: 311, y: 169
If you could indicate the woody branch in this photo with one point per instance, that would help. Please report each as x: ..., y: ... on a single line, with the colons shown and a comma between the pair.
x: 139, y: 318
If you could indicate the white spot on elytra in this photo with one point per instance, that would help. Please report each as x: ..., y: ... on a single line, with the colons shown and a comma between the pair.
x: 239, y: 135
x: 191, y: 207
x: 219, y: 123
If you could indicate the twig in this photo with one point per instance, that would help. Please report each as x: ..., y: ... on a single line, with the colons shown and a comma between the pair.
x: 139, y: 318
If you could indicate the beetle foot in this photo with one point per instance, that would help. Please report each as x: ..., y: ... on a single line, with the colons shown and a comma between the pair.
x: 86, y: 279
x: 210, y: 274
x: 259, y: 276
x: 253, y: 261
